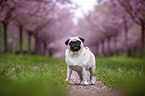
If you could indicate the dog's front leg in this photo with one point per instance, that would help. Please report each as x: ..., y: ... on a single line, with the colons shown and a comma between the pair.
x: 84, y: 72
x: 92, y: 77
x: 69, y: 71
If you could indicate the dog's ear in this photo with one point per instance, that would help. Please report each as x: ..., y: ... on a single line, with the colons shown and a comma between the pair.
x: 82, y: 39
x: 66, y: 42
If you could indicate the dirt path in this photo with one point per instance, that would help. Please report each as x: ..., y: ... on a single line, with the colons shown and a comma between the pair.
x: 92, y: 90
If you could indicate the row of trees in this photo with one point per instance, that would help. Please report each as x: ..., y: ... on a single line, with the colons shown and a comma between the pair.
x: 43, y: 20
x: 114, y: 26
x: 136, y: 11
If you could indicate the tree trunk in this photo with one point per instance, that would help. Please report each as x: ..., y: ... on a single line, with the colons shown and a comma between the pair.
x: 126, y: 43
x: 115, y: 44
x: 126, y: 36
x: 102, y: 51
x: 29, y: 42
x: 97, y: 50
x: 5, y: 25
x: 45, y: 46
x: 40, y: 46
x: 142, y: 39
x: 108, y: 47
x: 134, y: 51
x: 36, y: 44
x: 21, y: 39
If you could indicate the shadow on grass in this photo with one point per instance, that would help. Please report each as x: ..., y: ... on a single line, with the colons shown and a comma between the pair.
x: 30, y: 88
x: 134, y: 88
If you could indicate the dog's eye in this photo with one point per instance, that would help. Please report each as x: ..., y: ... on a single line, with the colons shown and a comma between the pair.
x: 70, y: 43
x: 78, y: 42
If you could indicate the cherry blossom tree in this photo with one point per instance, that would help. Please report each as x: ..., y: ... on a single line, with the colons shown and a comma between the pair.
x: 136, y: 10
x: 124, y: 19
x: 7, y: 8
x: 22, y: 15
x: 21, y: 12
x: 106, y: 28
x: 47, y: 24
x: 109, y: 30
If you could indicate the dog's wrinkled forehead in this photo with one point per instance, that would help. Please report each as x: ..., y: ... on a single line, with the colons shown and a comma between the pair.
x: 74, y: 39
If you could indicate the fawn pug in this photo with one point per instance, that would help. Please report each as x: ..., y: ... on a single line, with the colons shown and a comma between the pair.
x: 80, y: 59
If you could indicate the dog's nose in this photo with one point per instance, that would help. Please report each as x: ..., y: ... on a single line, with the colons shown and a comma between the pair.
x: 75, y: 47
x: 76, y: 44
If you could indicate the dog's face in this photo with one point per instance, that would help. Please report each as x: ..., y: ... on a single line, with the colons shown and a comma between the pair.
x: 75, y: 43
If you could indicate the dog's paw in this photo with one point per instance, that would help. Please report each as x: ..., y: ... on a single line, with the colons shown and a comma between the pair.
x: 77, y: 83
x: 85, y: 83
x: 66, y: 79
x: 92, y: 84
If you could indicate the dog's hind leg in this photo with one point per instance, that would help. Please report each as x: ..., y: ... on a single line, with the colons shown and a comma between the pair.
x: 92, y: 77
x: 84, y: 73
x: 81, y: 77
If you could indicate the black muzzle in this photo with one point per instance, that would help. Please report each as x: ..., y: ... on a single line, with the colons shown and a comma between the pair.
x: 75, y: 45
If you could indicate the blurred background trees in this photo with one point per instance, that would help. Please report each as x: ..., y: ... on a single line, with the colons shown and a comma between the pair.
x: 114, y: 27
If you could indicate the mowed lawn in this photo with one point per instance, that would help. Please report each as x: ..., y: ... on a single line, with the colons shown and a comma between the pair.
x: 24, y: 75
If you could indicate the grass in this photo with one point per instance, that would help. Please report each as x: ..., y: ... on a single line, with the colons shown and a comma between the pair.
x: 34, y: 72
x: 37, y: 75
x: 125, y: 74
x: 115, y: 71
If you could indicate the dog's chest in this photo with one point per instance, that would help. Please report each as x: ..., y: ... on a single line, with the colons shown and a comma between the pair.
x: 75, y: 61
x: 80, y: 60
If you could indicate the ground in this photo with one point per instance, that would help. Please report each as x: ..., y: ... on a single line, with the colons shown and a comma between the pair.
x: 92, y: 90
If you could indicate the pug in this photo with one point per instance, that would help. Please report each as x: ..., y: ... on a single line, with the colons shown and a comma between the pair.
x: 79, y: 59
